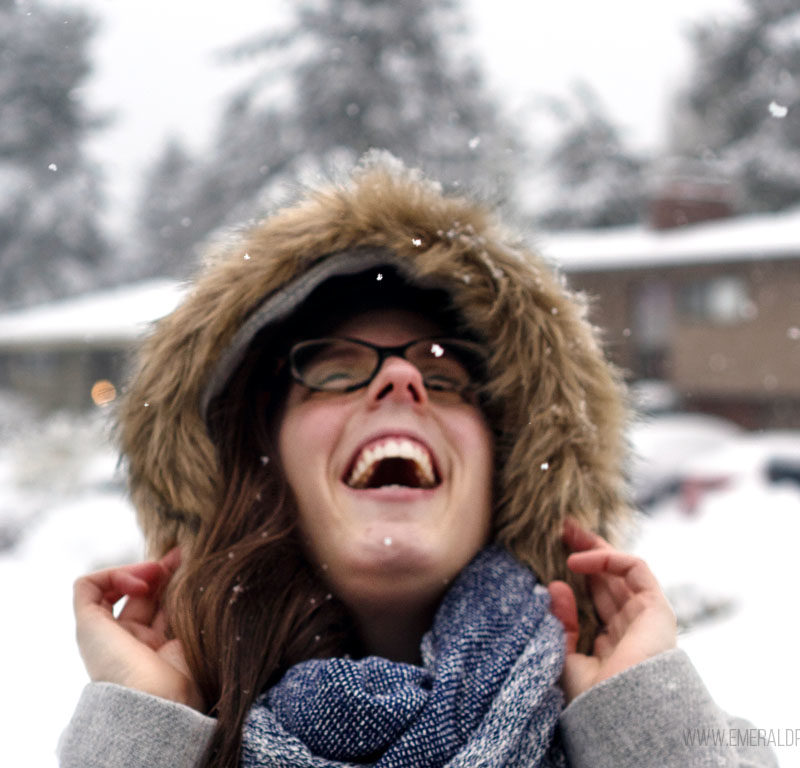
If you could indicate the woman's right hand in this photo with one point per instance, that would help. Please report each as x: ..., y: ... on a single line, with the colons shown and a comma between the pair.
x: 133, y: 649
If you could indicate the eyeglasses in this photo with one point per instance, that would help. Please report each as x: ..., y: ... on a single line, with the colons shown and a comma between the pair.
x: 343, y: 365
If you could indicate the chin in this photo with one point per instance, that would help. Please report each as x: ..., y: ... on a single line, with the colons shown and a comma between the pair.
x: 398, y: 567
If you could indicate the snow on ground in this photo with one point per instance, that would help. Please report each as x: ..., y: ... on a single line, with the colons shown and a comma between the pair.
x: 76, y: 519
x: 738, y: 550
x: 735, y: 553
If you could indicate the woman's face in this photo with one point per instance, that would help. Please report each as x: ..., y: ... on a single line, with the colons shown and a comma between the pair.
x: 395, y: 544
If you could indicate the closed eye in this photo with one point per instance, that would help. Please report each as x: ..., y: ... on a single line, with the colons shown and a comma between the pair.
x: 443, y: 383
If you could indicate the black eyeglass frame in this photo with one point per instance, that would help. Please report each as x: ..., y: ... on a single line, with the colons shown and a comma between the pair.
x: 400, y: 350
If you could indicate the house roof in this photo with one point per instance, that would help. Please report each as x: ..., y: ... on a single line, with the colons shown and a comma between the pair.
x: 103, y: 318
x: 746, y: 238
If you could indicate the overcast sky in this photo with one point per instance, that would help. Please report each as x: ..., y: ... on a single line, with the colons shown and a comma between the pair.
x: 156, y: 71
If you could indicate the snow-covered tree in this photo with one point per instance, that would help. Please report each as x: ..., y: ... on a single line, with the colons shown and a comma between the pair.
x: 589, y: 177
x: 741, y: 110
x: 391, y: 75
x: 50, y: 238
x: 344, y: 77
x: 161, y: 219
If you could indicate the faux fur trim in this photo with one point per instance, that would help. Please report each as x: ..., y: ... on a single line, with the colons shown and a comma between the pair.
x: 560, y: 403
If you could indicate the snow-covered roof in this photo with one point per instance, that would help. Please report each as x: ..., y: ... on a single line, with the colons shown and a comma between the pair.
x: 747, y: 238
x: 109, y: 317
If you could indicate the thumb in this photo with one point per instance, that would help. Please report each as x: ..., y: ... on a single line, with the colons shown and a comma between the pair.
x: 564, y: 607
x: 172, y: 653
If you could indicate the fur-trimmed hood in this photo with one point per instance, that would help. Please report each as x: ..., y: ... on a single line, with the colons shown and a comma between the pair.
x: 560, y: 406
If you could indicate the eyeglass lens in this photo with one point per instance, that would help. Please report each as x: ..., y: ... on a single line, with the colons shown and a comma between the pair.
x: 341, y: 364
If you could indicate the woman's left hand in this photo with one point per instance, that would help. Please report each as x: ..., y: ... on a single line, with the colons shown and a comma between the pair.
x: 637, y: 621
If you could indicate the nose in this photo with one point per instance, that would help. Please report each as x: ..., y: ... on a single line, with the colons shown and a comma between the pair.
x: 399, y: 381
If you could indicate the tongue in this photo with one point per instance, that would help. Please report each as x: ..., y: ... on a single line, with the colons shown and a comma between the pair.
x: 395, y: 471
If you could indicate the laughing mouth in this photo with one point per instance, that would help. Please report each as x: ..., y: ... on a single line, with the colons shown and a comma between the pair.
x: 397, y: 461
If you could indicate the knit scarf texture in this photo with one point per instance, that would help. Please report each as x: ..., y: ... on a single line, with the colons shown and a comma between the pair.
x: 486, y: 693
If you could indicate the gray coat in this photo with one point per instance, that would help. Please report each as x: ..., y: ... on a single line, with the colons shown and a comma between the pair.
x: 653, y: 714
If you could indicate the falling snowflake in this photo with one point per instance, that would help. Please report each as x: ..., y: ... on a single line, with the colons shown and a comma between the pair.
x: 778, y: 110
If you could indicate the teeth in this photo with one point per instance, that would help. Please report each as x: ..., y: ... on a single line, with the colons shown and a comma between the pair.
x: 391, y: 449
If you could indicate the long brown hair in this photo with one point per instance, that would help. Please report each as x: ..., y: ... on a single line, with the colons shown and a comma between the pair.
x: 247, y: 604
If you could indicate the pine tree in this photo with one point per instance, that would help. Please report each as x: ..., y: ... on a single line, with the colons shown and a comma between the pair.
x: 344, y: 77
x: 50, y: 239
x: 161, y: 218
x: 590, y: 177
x: 742, y: 107
x: 387, y: 75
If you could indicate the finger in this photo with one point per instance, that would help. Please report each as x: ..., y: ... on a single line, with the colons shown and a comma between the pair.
x: 638, y: 577
x: 609, y: 594
x: 603, y: 645
x: 160, y: 624
x: 578, y: 539
x: 565, y: 609
x: 104, y: 588
x: 143, y: 609
x: 171, y: 561
x: 139, y: 610
x: 144, y: 634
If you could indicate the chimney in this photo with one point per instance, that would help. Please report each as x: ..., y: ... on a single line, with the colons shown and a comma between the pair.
x: 682, y: 195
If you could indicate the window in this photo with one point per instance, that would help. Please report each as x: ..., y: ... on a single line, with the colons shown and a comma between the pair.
x: 717, y: 300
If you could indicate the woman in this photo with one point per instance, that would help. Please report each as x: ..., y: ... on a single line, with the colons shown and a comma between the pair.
x: 369, y: 425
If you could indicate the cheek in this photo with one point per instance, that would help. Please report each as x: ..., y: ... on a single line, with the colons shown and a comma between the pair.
x: 294, y: 446
x: 473, y: 433
x: 307, y: 436
x: 475, y: 442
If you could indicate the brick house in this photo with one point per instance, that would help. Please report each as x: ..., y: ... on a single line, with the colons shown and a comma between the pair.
x: 68, y: 353
x: 711, y: 309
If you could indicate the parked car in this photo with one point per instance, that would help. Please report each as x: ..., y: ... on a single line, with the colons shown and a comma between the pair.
x: 691, y: 455
x: 756, y: 457
x: 663, y: 447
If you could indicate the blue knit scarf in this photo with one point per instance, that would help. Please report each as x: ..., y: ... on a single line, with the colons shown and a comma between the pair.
x: 486, y: 694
